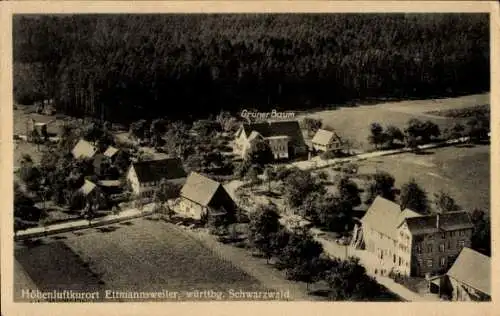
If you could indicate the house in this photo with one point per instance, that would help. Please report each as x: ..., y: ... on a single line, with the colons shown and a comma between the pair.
x: 91, y: 192
x: 111, y: 152
x: 145, y: 176
x: 325, y: 140
x: 469, y: 278
x: 204, y: 198
x: 411, y: 243
x: 83, y: 149
x: 38, y: 126
x: 284, y: 137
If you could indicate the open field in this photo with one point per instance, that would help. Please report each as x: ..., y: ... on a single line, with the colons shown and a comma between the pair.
x: 462, y: 172
x: 24, y: 113
x: 139, y: 256
x: 54, y: 266
x: 354, y: 123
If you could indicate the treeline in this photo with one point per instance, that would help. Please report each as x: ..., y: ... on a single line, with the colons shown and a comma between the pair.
x: 120, y: 67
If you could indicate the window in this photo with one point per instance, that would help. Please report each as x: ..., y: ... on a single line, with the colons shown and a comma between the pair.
x: 443, y: 235
x: 429, y: 263
x: 441, y: 247
x: 451, y: 259
x: 461, y: 244
x: 462, y: 233
x: 430, y: 236
x: 418, y: 248
x: 429, y: 248
x: 442, y: 261
x: 449, y: 244
x: 400, y: 261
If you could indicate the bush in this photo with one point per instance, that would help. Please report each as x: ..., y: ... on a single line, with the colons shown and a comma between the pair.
x: 241, y: 244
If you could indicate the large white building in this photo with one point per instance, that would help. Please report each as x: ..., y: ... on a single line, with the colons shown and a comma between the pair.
x: 284, y: 138
x: 411, y: 243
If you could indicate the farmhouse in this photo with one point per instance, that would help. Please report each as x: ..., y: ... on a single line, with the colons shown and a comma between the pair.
x: 411, y: 243
x: 284, y: 137
x: 204, y: 198
x: 145, y: 176
x: 469, y: 278
x: 83, y: 149
x: 325, y: 140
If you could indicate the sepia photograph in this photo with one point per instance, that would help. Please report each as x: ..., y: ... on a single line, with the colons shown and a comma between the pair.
x: 317, y: 157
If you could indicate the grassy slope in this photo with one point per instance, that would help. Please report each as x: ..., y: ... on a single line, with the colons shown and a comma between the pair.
x: 462, y: 172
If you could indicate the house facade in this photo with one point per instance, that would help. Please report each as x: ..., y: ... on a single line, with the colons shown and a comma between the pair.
x: 145, y: 176
x: 203, y: 198
x: 411, y: 243
x: 284, y: 138
x: 325, y: 141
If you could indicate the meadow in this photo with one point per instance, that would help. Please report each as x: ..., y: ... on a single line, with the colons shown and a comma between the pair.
x: 353, y: 123
x: 141, y: 255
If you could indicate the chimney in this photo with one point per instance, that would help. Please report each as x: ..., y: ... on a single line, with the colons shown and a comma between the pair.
x: 437, y: 220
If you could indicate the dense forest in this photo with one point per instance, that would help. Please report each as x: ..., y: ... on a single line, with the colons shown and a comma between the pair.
x: 123, y: 67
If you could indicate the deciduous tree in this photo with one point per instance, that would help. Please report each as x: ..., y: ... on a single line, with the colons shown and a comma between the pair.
x: 414, y: 197
x: 381, y: 184
x: 444, y: 203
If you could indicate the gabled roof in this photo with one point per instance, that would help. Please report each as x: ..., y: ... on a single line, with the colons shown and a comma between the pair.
x: 383, y: 216
x: 200, y: 189
x: 97, y: 160
x: 473, y: 269
x: 156, y: 170
x: 87, y: 187
x: 324, y: 137
x: 254, y: 135
x: 407, y: 213
x: 84, y: 149
x: 450, y: 221
x: 110, y: 151
x: 275, y: 128
x: 109, y: 183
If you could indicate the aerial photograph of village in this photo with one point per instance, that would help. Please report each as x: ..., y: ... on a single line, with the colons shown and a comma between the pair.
x: 238, y: 157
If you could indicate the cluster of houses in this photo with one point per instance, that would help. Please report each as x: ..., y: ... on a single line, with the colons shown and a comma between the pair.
x: 434, y: 246
x: 200, y: 197
x: 285, y: 139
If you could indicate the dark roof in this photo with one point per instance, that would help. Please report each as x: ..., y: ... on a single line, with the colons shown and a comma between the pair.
x: 472, y: 269
x: 97, y: 160
x: 276, y: 128
x: 156, y: 170
x: 447, y: 222
x: 200, y: 189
